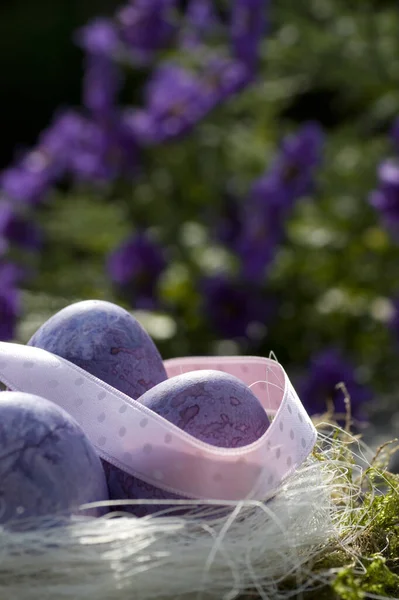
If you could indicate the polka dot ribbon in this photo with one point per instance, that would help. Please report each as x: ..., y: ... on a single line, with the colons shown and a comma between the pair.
x: 147, y: 446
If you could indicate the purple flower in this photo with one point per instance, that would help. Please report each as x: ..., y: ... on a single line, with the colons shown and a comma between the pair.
x: 103, y: 77
x: 10, y: 276
x: 268, y: 205
x: 89, y: 150
x: 386, y: 198
x: 222, y: 78
x: 231, y: 306
x: 257, y: 251
x: 28, y: 181
x: 252, y: 229
x: 76, y: 144
x: 147, y: 26
x: 174, y: 103
x: 56, y: 140
x: 136, y: 267
x: 200, y: 22
x: 22, y: 185
x: 300, y: 155
x: 263, y: 220
x: 101, y: 85
x: 17, y: 229
x: 327, y: 369
x: 63, y: 146
x: 99, y: 38
x: 201, y: 15
x: 177, y: 98
x: 248, y: 26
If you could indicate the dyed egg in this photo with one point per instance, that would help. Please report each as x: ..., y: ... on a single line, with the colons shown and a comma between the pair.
x: 47, y: 464
x: 105, y: 340
x: 212, y: 406
x: 108, y: 342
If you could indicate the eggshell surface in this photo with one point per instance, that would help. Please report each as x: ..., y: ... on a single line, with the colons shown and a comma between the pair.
x: 212, y: 406
x: 106, y: 341
x: 47, y: 464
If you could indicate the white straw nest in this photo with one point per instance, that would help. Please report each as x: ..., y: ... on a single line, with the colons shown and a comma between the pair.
x: 252, y: 549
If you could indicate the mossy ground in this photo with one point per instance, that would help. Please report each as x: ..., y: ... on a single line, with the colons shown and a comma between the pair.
x: 364, y: 561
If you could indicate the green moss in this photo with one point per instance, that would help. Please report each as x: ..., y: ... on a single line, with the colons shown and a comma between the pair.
x: 353, y: 583
x: 364, y: 561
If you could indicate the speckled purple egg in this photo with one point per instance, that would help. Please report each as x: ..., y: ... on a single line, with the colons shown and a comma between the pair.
x: 47, y: 464
x: 108, y: 342
x: 105, y: 340
x: 212, y: 406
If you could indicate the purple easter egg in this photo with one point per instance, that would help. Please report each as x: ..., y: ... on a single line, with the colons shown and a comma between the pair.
x: 105, y: 340
x: 47, y: 464
x: 108, y: 342
x: 212, y: 406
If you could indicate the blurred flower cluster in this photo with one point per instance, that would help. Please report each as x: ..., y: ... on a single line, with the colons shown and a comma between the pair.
x: 385, y: 199
x: 103, y: 143
x: 177, y: 187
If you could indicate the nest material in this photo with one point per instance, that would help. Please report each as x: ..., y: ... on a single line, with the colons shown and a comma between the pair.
x: 262, y: 549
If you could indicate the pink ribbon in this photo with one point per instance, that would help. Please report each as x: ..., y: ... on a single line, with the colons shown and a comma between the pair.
x: 137, y: 440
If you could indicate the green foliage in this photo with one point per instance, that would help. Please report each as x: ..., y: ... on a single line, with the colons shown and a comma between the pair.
x: 363, y: 561
x: 371, y: 576
x: 375, y: 568
x: 325, y: 60
x: 372, y: 564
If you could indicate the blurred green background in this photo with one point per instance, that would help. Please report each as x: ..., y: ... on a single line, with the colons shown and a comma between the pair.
x: 335, y: 276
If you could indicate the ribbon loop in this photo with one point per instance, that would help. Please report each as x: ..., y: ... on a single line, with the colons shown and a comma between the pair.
x: 132, y: 437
